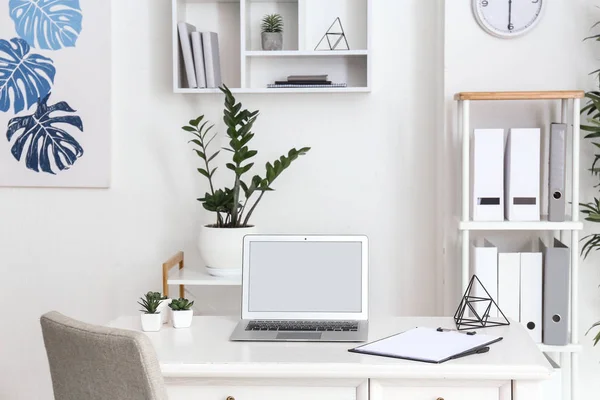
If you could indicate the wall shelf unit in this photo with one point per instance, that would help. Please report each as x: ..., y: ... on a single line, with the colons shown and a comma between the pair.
x: 247, y: 69
x: 561, y: 230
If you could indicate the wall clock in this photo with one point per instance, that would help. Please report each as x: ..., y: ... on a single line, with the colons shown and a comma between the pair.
x: 508, y: 18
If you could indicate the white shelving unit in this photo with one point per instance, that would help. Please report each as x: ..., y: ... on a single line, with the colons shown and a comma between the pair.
x: 248, y: 69
x: 560, y: 229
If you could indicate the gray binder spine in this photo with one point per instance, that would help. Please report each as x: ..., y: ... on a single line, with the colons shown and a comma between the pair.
x: 555, y: 316
x: 556, y: 183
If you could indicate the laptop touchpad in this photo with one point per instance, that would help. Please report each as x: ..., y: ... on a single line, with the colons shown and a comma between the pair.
x: 299, y: 336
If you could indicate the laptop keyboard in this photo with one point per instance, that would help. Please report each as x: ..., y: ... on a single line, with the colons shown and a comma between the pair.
x: 303, y: 326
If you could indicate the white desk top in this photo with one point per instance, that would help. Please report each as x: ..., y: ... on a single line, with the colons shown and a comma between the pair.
x: 204, y: 350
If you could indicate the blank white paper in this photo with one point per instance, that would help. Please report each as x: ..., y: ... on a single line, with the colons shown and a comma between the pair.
x: 427, y: 344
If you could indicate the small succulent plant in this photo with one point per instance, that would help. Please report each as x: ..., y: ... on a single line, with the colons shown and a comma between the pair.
x: 181, y: 304
x: 272, y: 23
x: 156, y: 295
x: 149, y: 303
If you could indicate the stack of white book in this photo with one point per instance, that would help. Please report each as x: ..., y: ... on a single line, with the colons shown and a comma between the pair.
x: 530, y: 285
x: 200, y: 51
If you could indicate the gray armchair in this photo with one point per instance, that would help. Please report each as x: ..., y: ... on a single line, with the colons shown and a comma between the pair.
x: 98, y: 363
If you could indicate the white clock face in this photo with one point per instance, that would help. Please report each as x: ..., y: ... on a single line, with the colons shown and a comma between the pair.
x: 508, y: 18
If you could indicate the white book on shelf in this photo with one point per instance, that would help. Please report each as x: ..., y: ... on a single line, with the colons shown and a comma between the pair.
x: 212, y: 59
x: 485, y: 266
x: 488, y: 175
x: 509, y: 284
x: 523, y: 175
x: 185, y: 41
x: 199, y: 59
x: 531, y: 294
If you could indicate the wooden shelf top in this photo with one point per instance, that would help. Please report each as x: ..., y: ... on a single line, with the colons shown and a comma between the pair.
x: 548, y: 95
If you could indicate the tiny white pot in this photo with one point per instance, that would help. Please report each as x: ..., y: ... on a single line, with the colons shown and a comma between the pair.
x: 151, y: 322
x: 163, y: 309
x: 182, y: 319
x: 221, y: 249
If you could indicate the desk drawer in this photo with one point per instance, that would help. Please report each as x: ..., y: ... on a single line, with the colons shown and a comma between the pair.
x: 257, y: 389
x: 439, y: 390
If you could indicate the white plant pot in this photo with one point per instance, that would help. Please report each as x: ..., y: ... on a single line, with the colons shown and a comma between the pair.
x: 182, y: 319
x: 163, y: 309
x: 221, y: 249
x: 151, y: 322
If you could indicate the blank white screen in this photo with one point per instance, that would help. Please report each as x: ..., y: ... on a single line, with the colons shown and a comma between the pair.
x: 305, y: 277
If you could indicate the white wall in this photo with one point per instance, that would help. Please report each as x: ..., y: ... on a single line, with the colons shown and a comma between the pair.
x: 551, y: 57
x: 91, y: 253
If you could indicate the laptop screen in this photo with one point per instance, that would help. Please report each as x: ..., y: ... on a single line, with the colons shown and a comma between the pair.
x: 305, y: 276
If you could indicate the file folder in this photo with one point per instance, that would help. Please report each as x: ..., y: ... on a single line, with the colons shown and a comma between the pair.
x: 485, y: 266
x: 556, y: 293
x: 522, y: 178
x: 556, y: 168
x: 531, y: 294
x: 488, y: 175
x: 509, y: 284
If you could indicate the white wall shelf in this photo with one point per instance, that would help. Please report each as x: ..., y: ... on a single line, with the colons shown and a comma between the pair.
x: 572, y: 225
x: 199, y: 277
x: 247, y: 69
x: 520, y: 226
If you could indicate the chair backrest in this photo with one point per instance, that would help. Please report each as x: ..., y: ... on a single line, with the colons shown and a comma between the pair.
x: 98, y: 363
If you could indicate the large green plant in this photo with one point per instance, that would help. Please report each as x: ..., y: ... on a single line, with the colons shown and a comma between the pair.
x: 234, y: 205
x: 591, y: 210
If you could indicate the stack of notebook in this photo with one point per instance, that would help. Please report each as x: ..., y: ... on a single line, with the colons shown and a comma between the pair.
x: 306, y: 81
x: 201, y: 59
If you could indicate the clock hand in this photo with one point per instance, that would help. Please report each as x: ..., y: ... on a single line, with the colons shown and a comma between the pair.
x: 510, y: 25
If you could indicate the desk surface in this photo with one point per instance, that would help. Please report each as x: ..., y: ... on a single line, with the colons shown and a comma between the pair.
x: 205, y: 351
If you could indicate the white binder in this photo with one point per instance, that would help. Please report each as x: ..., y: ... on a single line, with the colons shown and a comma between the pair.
x: 531, y: 294
x: 488, y: 175
x: 522, y: 180
x: 509, y: 284
x: 485, y: 266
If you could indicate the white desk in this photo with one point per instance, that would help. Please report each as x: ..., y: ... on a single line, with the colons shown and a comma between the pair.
x: 201, y: 363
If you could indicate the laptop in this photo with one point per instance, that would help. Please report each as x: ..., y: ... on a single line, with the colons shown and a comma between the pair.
x: 304, y: 288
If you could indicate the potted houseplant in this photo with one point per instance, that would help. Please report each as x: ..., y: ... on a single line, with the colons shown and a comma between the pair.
x: 591, y: 210
x: 272, y: 32
x: 220, y: 243
x: 163, y: 308
x: 151, y: 317
x: 182, y: 312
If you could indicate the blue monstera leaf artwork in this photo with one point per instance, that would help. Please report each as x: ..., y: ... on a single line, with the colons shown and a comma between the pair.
x: 46, y: 146
x: 47, y: 24
x: 24, y: 77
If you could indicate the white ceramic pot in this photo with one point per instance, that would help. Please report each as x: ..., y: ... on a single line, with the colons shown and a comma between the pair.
x: 163, y: 309
x: 182, y: 319
x: 151, y: 322
x: 221, y: 249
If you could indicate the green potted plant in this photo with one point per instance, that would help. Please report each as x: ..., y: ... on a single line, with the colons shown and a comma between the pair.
x: 220, y: 242
x: 182, y: 312
x: 163, y: 308
x: 591, y: 210
x: 151, y: 317
x: 272, y: 32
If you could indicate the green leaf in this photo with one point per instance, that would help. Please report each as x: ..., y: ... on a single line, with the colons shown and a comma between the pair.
x: 204, y: 172
x: 230, y: 166
x: 188, y: 128
x: 213, y: 156
x: 200, y: 154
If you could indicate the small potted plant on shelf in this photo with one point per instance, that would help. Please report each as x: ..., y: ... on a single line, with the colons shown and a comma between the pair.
x: 163, y: 308
x: 182, y: 312
x: 272, y: 32
x: 220, y: 243
x: 151, y: 317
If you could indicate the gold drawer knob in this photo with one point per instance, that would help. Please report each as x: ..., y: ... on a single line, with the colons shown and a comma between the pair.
x: 233, y: 398
x: 440, y: 398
